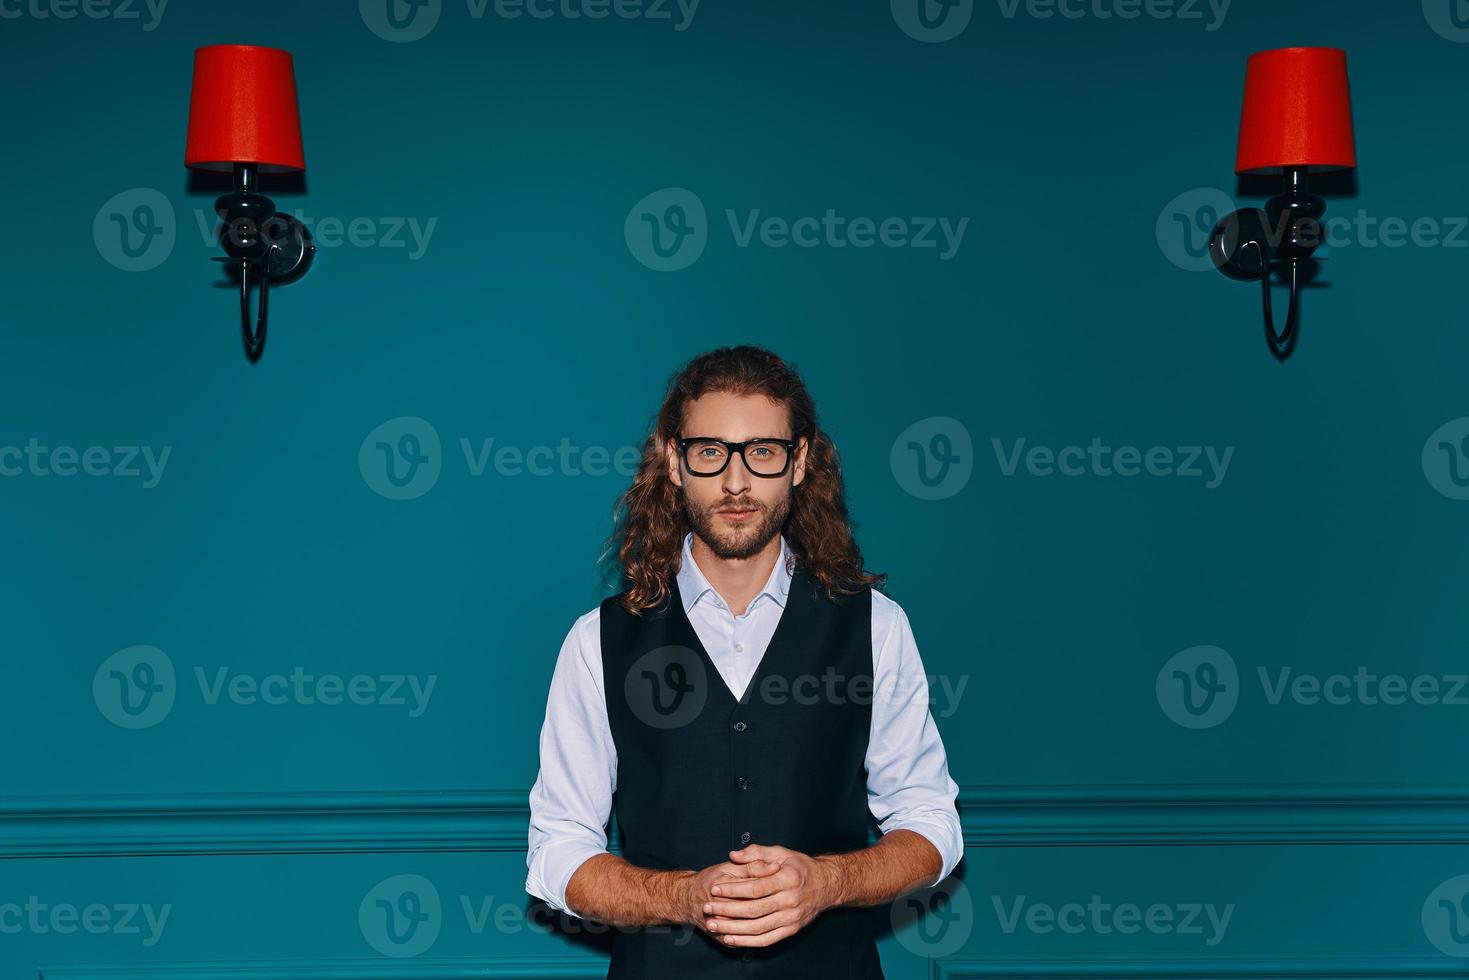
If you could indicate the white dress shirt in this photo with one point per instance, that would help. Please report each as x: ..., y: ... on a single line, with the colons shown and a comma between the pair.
x: 908, y: 784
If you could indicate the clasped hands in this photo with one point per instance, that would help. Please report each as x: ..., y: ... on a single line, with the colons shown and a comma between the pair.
x: 761, y: 895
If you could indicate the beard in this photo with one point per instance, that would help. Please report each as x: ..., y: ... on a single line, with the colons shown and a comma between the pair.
x: 743, y: 540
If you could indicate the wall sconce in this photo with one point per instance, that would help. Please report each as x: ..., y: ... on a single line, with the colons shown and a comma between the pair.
x: 1297, y: 120
x: 243, y: 121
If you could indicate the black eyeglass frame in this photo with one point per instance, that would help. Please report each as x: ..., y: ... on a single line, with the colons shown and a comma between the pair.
x: 737, y: 447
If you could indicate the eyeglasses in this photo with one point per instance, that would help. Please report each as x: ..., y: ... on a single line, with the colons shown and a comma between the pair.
x: 706, y: 456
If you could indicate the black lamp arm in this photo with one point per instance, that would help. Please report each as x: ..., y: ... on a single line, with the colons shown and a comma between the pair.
x: 1282, y: 342
x: 254, y: 339
x: 274, y: 247
x: 1252, y: 244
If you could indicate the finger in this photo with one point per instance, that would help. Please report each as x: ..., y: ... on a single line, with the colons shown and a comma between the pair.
x: 722, y: 926
x: 755, y: 852
x: 751, y: 887
x: 765, y: 939
x: 745, y: 908
x: 755, y: 869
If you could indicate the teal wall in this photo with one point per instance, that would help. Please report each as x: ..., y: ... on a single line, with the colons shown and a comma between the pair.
x: 495, y: 287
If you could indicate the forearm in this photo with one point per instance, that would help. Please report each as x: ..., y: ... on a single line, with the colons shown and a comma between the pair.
x: 901, y: 862
x: 608, y: 889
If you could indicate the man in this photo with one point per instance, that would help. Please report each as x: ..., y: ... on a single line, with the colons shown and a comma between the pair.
x: 743, y: 703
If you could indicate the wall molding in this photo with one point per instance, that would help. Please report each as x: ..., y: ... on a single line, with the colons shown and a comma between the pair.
x: 273, y: 823
x: 1078, y: 966
x: 408, y: 968
x: 1112, y: 966
x: 496, y: 820
x: 1240, y: 813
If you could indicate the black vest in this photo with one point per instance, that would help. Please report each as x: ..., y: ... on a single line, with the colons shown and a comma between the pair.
x: 700, y: 774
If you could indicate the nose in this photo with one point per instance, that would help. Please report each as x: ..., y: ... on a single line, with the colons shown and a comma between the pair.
x: 736, y: 477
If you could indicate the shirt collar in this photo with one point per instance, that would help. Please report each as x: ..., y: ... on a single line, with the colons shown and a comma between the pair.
x: 692, y: 585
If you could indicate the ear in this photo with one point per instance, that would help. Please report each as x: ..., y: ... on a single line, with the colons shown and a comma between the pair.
x: 799, y: 466
x: 671, y: 455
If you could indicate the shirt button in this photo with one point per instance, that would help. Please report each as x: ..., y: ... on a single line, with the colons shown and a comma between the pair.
x: 740, y: 726
x: 739, y: 648
x: 743, y: 783
x: 745, y: 837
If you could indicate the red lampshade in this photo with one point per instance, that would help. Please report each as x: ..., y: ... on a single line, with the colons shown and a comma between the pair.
x: 243, y: 110
x: 1297, y: 112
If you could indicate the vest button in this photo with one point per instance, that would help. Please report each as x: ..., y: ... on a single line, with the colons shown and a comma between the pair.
x: 744, y: 783
x: 745, y: 837
x: 740, y: 726
x: 747, y: 956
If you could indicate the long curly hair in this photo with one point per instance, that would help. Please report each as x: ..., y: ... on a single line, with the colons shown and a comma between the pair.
x: 649, y: 518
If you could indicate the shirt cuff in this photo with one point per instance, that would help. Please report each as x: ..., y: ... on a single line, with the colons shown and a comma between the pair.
x: 553, y: 870
x: 946, y: 835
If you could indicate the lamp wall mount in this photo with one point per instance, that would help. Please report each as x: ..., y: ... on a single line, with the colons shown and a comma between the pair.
x: 260, y: 243
x: 1254, y: 245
